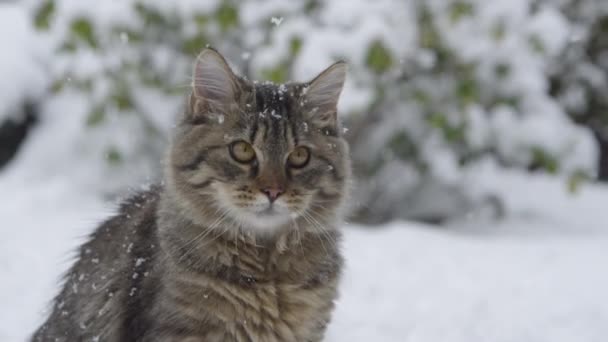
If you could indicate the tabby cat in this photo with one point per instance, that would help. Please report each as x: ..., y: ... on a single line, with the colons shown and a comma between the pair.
x: 240, y: 242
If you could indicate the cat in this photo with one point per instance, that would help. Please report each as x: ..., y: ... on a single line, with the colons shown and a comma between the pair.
x: 240, y: 242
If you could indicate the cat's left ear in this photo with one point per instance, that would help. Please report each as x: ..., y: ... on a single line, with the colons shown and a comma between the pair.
x: 214, y: 82
x: 322, y: 95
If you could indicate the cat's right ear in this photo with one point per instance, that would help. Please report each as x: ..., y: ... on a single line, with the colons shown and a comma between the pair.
x: 322, y: 94
x: 214, y: 84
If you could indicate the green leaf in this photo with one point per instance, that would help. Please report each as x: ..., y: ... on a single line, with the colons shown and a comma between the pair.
x: 201, y: 20
x: 44, y: 14
x: 428, y: 36
x: 437, y: 120
x: 68, y: 46
x: 295, y: 45
x: 402, y: 146
x: 451, y: 133
x: 84, y: 84
x: 122, y: 100
x: 151, y: 16
x: 378, y: 57
x: 96, y: 116
x: 193, y: 45
x: 227, y: 16
x: 82, y: 29
x: 459, y: 10
x: 498, y: 31
x: 151, y: 78
x: 57, y: 86
x: 454, y: 134
x: 536, y: 44
x: 467, y: 91
x: 113, y: 156
x: 575, y: 181
x: 512, y: 101
x: 544, y: 160
x: 421, y: 96
x: 311, y: 6
x: 277, y: 75
x: 502, y: 70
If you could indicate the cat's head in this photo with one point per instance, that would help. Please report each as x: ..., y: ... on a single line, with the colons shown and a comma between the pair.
x: 260, y: 155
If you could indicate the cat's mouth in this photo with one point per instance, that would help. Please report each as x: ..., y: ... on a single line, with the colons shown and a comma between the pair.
x: 266, y: 216
x: 269, y: 211
x: 257, y: 213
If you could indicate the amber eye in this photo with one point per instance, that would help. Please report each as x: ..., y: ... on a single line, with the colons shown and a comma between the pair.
x: 242, y: 151
x: 299, y: 157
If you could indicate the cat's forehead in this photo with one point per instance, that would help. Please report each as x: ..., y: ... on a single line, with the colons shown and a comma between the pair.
x: 278, y: 97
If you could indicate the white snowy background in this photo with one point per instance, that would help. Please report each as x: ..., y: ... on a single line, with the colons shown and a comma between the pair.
x: 538, y: 274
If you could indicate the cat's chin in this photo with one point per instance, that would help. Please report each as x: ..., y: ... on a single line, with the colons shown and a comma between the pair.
x: 259, y: 216
x: 267, y: 221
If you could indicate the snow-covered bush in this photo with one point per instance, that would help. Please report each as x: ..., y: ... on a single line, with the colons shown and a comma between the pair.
x: 579, y: 77
x: 435, y: 87
x: 22, y: 78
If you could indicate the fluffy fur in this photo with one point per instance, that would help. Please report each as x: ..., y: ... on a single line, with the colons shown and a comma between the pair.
x: 225, y: 250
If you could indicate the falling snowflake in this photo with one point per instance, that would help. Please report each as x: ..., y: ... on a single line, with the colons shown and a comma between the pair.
x: 124, y: 37
x: 275, y: 115
x: 276, y: 21
x: 139, y: 261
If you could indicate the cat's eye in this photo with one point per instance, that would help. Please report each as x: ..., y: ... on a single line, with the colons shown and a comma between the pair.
x: 299, y: 157
x: 242, y: 151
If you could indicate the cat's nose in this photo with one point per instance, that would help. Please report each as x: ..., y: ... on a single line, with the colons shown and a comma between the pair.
x: 272, y: 193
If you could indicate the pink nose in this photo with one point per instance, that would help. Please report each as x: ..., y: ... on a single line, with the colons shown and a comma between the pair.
x: 272, y: 193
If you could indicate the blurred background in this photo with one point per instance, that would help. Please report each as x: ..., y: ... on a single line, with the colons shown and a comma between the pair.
x: 478, y: 130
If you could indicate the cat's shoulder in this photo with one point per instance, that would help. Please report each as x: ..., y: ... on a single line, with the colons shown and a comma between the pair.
x: 150, y: 195
x: 134, y: 216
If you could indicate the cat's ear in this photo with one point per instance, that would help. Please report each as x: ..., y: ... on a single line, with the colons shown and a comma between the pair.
x: 214, y: 83
x: 322, y: 95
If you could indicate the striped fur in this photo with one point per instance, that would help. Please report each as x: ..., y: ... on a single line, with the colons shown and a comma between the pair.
x: 196, y: 259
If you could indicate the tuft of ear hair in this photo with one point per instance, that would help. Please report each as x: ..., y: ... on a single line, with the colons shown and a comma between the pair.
x: 214, y: 83
x: 322, y: 95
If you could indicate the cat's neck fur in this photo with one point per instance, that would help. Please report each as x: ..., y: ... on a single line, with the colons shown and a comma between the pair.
x: 187, y: 234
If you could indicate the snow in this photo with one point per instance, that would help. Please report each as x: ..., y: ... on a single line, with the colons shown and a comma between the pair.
x: 42, y: 222
x: 21, y: 77
x: 409, y: 282
x: 534, y: 276
x: 537, y: 274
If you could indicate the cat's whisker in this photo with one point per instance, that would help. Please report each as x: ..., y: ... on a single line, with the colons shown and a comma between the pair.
x: 323, y: 229
x: 318, y: 230
x: 226, y: 228
x: 202, y: 235
x: 298, y: 233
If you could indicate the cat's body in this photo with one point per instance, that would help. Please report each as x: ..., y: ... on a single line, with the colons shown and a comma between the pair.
x: 129, y: 286
x: 240, y: 243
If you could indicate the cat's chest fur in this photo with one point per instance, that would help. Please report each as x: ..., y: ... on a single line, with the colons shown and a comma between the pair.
x: 237, y: 289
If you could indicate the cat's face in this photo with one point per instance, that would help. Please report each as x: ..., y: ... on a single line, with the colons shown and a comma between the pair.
x: 262, y: 155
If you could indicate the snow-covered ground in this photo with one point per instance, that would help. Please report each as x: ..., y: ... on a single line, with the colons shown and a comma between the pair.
x: 408, y: 282
x: 538, y: 275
